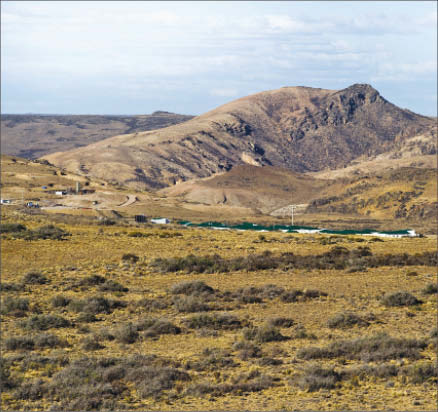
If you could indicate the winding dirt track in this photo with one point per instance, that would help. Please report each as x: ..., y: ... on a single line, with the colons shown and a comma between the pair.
x: 130, y: 199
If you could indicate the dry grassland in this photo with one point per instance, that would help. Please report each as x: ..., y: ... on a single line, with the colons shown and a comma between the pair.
x: 204, y: 368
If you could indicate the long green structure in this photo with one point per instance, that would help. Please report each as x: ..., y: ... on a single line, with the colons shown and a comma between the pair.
x: 300, y: 229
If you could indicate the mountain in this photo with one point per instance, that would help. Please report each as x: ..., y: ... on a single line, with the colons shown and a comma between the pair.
x: 33, y: 135
x: 302, y: 129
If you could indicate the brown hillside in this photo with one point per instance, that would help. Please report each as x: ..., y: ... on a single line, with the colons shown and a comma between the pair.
x: 299, y: 128
x: 33, y: 135
x: 260, y: 188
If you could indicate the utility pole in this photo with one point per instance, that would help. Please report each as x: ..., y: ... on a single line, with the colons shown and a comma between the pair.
x: 292, y: 209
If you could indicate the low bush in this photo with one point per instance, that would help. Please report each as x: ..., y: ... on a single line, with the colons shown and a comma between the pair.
x: 247, y: 350
x: 378, y: 347
x: 345, y: 320
x: 12, y: 228
x: 217, y: 321
x: 33, y: 390
x: 211, y: 359
x: 86, y: 317
x: 162, y: 327
x: 430, y: 289
x: 44, y: 232
x: 10, y: 287
x: 130, y: 258
x: 243, y: 383
x: 126, y: 333
x: 44, y: 322
x: 291, y: 296
x: 92, y: 280
x: 112, y: 286
x: 95, y: 305
x: 47, y: 340
x: 316, y: 377
x: 19, y: 342
x: 6, y: 382
x: 264, y: 333
x: 91, y: 343
x: 14, y: 306
x: 60, y: 301
x: 34, y: 278
x: 337, y: 258
x: 300, y: 332
x: 151, y: 304
x: 422, y: 372
x: 400, y: 299
x: 196, y: 287
x: 281, y: 322
x: 189, y: 304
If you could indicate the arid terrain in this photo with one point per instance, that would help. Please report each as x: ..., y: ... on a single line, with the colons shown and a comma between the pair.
x: 126, y: 317
x: 302, y: 129
x: 101, y: 312
x: 33, y: 135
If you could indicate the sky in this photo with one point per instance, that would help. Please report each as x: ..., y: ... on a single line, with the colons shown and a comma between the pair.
x: 121, y: 57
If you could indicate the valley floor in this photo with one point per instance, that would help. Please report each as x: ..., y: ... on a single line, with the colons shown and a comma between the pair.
x: 146, y: 318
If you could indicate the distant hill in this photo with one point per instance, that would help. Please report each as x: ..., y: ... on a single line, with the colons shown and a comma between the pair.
x: 33, y: 135
x: 302, y: 129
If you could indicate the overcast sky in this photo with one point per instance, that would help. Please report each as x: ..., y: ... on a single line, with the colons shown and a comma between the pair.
x: 120, y: 57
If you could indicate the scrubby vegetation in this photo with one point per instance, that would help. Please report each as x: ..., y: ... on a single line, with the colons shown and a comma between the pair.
x: 337, y: 258
x: 370, y: 348
x: 97, y: 329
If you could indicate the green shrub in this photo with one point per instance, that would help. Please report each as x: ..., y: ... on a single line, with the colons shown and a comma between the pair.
x: 316, y: 377
x: 215, y: 321
x: 10, y: 287
x: 60, y: 301
x: 95, y: 305
x: 86, y: 317
x: 151, y: 304
x: 345, y: 320
x: 19, y: 342
x: 378, y: 347
x: 291, y: 296
x: 422, y: 372
x: 196, y: 287
x: 44, y: 232
x: 162, y: 327
x: 130, y: 258
x: 126, y: 333
x: 44, y: 322
x: 400, y: 299
x: 430, y: 289
x: 189, y: 304
x: 12, y: 228
x: 92, y: 280
x: 112, y: 286
x: 34, y: 278
x: 264, y: 333
x: 281, y: 322
x: 91, y: 343
x: 14, y: 306
x: 47, y: 340
x: 247, y: 350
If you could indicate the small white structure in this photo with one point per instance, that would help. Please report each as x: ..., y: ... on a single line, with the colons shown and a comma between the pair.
x: 61, y: 192
x: 160, y: 221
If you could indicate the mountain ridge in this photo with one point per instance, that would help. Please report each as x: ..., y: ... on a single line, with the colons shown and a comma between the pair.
x: 302, y: 129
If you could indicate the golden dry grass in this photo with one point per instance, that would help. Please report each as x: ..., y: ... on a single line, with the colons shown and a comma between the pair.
x: 98, y: 250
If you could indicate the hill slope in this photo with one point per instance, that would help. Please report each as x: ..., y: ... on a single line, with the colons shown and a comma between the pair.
x: 260, y: 188
x: 33, y: 136
x: 299, y: 128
